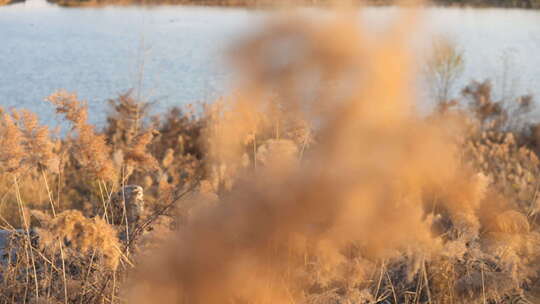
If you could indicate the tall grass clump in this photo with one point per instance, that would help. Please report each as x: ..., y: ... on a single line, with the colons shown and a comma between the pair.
x: 74, y: 215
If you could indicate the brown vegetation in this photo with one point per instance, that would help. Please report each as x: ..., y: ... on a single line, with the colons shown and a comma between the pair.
x: 223, y: 3
x: 7, y: 2
x: 527, y: 4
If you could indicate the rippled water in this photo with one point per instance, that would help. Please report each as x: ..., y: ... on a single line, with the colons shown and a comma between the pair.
x: 175, y: 53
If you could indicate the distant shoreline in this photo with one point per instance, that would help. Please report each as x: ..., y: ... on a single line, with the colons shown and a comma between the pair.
x: 8, y: 2
x: 525, y: 4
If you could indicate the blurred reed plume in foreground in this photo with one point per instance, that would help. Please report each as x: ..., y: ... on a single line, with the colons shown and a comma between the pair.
x: 380, y: 199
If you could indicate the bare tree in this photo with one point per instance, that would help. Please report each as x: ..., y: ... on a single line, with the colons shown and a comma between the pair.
x: 444, y: 66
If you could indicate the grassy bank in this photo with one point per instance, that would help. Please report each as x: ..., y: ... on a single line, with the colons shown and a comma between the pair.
x: 8, y: 2
x: 531, y: 4
x: 221, y: 3
x: 316, y: 182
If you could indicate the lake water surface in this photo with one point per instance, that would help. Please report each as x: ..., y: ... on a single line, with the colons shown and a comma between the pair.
x: 175, y: 54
